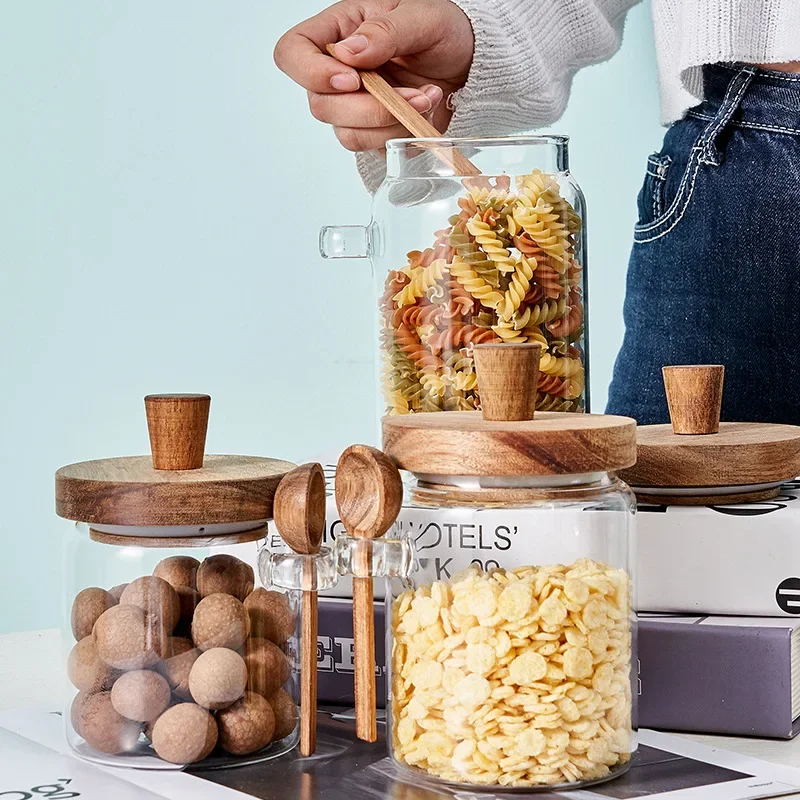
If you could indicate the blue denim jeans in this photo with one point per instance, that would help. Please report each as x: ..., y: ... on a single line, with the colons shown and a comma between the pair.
x: 714, y: 276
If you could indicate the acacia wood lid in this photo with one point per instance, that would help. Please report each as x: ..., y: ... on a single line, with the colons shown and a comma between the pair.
x: 515, y: 441
x: 696, y: 450
x: 741, y: 453
x: 177, y: 485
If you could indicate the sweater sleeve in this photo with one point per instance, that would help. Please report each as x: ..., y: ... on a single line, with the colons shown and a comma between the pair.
x: 526, y: 54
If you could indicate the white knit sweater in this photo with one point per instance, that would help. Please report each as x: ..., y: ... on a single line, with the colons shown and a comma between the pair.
x: 527, y: 52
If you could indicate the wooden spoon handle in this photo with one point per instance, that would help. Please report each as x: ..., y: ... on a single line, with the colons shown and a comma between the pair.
x: 308, y: 676
x: 410, y: 118
x: 364, y: 644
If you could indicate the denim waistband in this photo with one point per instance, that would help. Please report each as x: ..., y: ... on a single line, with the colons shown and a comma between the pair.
x: 770, y: 102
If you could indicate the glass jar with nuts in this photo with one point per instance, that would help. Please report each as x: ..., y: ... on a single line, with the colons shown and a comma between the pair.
x: 175, y: 655
x: 512, y: 641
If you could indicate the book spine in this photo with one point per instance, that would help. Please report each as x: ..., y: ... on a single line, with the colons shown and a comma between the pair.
x: 709, y: 678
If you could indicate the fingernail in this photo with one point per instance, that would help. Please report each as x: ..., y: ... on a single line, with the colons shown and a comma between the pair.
x: 355, y: 44
x: 345, y: 82
x: 421, y: 103
x: 434, y: 94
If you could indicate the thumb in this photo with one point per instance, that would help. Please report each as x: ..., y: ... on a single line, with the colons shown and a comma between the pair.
x: 383, y: 37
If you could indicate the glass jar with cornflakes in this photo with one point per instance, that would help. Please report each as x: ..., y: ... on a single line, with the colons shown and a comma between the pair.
x: 511, y: 658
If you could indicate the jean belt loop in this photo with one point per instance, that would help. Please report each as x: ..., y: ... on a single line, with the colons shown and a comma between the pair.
x: 711, y: 154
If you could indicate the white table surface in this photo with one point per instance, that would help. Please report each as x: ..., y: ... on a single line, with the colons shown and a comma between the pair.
x: 32, y: 676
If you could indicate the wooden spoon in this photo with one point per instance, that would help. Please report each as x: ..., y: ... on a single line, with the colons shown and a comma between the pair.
x: 299, y: 511
x: 369, y: 492
x: 410, y: 118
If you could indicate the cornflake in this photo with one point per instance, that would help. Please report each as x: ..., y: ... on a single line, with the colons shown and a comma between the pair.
x: 514, y: 677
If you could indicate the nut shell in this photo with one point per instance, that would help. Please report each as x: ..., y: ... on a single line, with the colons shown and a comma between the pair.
x: 140, y: 695
x: 224, y: 574
x: 178, y: 571
x: 75, y: 711
x: 246, y: 726
x: 87, y: 607
x: 285, y: 711
x: 181, y: 655
x: 116, y: 591
x: 103, y: 728
x: 218, y: 678
x: 126, y: 638
x: 220, y: 620
x: 86, y: 670
x: 184, y: 734
x: 267, y: 667
x: 155, y: 597
x: 270, y: 615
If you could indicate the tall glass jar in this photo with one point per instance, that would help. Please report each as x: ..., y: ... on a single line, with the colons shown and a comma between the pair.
x: 511, y: 647
x: 465, y: 259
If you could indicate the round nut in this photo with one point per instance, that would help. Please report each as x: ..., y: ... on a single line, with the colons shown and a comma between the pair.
x: 86, y: 670
x: 180, y: 657
x: 219, y: 621
x: 155, y: 597
x: 224, y: 574
x: 267, y: 667
x: 87, y: 608
x: 285, y: 711
x: 116, y: 591
x: 103, y: 728
x: 246, y: 726
x: 140, y: 695
x: 75, y: 711
x: 218, y: 678
x: 184, y: 734
x: 178, y: 571
x: 270, y: 615
x: 126, y: 638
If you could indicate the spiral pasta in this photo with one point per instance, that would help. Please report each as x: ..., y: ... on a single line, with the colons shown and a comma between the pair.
x: 503, y: 269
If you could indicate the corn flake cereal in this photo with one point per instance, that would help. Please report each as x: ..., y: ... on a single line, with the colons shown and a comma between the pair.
x: 514, y: 678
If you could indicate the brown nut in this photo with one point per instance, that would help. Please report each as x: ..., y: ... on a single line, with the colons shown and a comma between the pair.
x: 86, y: 670
x: 87, y: 608
x: 246, y: 726
x: 155, y: 597
x: 75, y: 710
x: 178, y: 663
x: 218, y: 678
x: 103, y: 728
x: 224, y: 574
x: 184, y: 734
x: 219, y: 621
x: 126, y: 638
x: 140, y: 695
x: 116, y: 591
x: 285, y: 711
x: 270, y: 615
x: 267, y: 667
x: 178, y: 571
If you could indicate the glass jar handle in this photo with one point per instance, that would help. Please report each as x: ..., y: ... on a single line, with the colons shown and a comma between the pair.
x: 391, y: 558
x: 345, y: 241
x: 308, y: 573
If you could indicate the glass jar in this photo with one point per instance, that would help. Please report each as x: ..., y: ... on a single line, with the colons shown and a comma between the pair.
x: 461, y: 260
x: 511, y: 647
x: 175, y: 654
x: 513, y: 656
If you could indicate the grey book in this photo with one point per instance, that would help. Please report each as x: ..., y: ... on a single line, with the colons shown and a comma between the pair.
x: 738, y: 676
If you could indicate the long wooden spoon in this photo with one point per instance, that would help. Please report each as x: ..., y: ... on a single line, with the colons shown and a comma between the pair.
x: 369, y: 492
x: 299, y: 511
x: 410, y: 118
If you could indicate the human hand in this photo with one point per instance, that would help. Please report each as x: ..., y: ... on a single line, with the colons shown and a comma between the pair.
x: 423, y: 47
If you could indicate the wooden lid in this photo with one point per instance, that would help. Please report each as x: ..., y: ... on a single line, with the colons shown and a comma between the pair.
x: 511, y: 443
x: 741, y: 453
x: 177, y: 485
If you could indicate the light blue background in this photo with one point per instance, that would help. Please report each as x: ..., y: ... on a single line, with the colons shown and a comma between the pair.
x: 161, y: 190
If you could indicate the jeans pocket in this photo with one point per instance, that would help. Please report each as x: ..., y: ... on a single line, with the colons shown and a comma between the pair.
x: 668, y: 185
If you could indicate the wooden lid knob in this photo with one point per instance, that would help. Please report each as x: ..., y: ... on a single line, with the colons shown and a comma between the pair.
x: 507, y: 379
x: 177, y: 425
x: 694, y: 396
